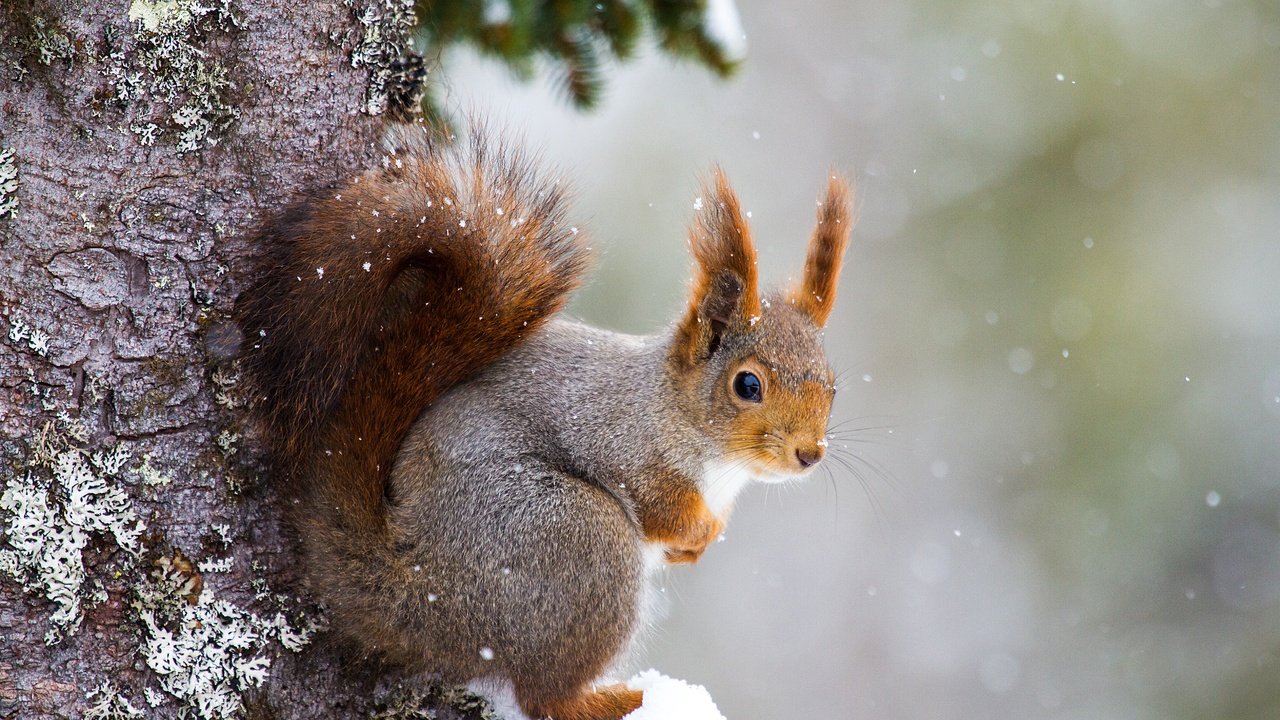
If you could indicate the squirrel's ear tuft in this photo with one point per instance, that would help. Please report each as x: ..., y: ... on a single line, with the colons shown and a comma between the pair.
x: 816, y: 293
x: 724, y: 285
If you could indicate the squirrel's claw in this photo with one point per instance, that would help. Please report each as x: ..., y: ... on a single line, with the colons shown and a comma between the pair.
x: 688, y: 547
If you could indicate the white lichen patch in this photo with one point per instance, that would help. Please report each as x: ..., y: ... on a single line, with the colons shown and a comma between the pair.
x: 154, y: 697
x: 223, y: 531
x: 209, y: 659
x: 109, y: 704
x: 212, y: 565
x: 295, y: 638
x: 67, y: 427
x: 226, y: 442
x: 205, y: 651
x: 49, y: 523
x: 385, y: 38
x: 8, y: 184
x: 225, y: 391
x: 94, y: 504
x: 110, y: 461
x: 146, y: 133
x: 261, y: 588
x: 167, y: 64
x: 22, y: 334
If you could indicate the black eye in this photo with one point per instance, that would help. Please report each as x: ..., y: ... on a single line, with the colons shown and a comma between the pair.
x: 747, y: 386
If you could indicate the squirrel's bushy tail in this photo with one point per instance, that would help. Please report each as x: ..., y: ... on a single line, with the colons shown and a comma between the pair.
x: 377, y: 297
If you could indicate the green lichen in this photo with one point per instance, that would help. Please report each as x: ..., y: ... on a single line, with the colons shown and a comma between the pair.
x: 403, y: 702
x: 49, y: 44
x: 158, y: 15
x: 150, y: 475
x: 168, y: 376
x: 37, y: 41
x: 227, y: 393
x: 226, y: 441
x: 168, y: 73
x: 384, y: 45
x: 167, y: 370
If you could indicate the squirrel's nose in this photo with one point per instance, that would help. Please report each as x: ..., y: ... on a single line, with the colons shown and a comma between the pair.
x: 808, y: 457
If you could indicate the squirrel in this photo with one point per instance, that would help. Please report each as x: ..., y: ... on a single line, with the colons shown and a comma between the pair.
x: 481, y: 485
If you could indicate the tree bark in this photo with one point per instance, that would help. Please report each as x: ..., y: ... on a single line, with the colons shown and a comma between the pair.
x: 148, y: 140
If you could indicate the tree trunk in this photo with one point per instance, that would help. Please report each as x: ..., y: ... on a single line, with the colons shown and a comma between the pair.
x: 140, y: 146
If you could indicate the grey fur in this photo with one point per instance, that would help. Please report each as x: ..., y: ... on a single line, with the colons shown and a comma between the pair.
x: 511, y: 493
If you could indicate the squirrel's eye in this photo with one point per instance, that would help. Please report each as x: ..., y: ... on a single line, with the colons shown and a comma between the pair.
x: 747, y: 386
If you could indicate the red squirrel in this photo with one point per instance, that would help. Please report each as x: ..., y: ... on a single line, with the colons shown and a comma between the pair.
x: 480, y: 482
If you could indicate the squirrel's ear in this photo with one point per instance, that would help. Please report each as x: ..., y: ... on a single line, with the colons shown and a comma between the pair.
x: 816, y: 293
x: 724, y: 284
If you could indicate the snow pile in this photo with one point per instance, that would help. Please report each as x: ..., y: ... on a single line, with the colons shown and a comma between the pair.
x: 664, y: 698
x: 671, y: 699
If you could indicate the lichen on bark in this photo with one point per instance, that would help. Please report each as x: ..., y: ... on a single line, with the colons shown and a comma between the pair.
x: 8, y: 183
x: 166, y: 68
x: 381, y: 46
x: 118, y: 260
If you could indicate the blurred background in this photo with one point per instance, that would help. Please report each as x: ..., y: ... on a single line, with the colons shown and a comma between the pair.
x: 1058, y: 494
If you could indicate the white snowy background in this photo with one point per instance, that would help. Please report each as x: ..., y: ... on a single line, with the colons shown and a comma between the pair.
x: 1064, y: 301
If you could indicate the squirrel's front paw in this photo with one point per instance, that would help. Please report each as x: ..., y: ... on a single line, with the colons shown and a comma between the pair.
x: 688, y: 546
x: 679, y: 521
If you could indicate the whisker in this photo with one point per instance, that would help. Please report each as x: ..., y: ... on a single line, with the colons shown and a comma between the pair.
x: 843, y: 442
x: 845, y: 370
x: 844, y: 423
x: 855, y: 461
x: 877, y: 505
x: 855, y: 465
x: 835, y: 492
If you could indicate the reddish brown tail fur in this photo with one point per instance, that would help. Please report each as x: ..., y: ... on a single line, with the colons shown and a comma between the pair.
x: 359, y: 319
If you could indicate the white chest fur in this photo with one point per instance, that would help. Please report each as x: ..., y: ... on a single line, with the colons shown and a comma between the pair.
x: 721, y: 483
x: 654, y: 556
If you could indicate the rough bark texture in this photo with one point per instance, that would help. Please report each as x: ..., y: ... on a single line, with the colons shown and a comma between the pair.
x: 131, y: 236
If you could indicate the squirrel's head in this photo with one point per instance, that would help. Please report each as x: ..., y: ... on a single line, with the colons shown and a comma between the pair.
x: 750, y: 366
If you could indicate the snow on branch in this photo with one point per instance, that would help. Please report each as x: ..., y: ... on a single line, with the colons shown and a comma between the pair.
x: 667, y: 698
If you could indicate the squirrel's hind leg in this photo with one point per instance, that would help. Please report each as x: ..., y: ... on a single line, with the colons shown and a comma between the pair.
x: 612, y: 702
